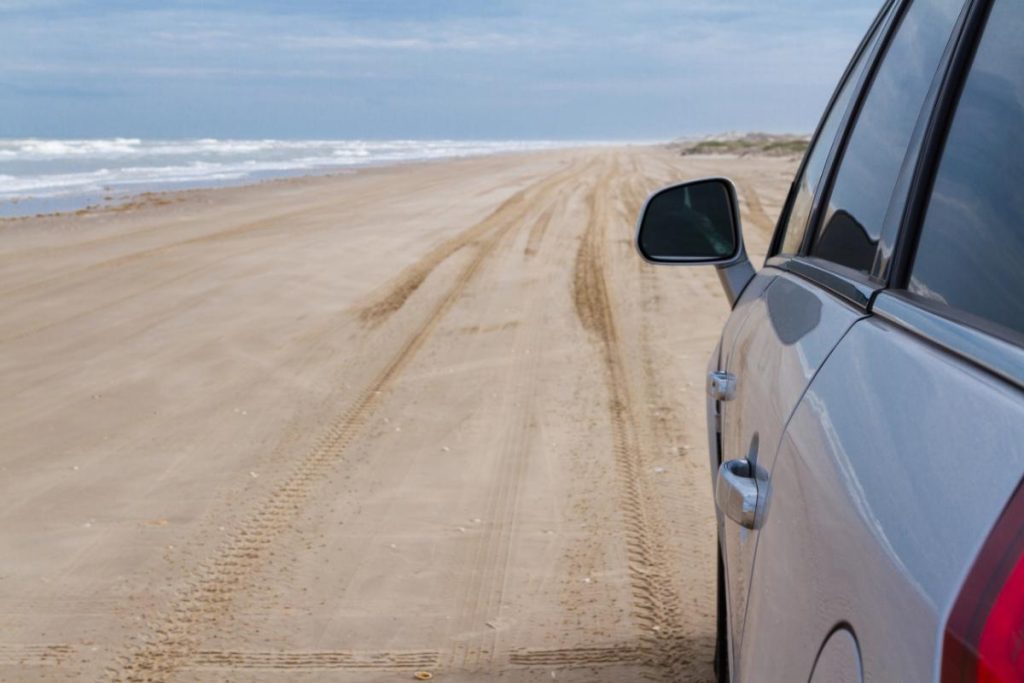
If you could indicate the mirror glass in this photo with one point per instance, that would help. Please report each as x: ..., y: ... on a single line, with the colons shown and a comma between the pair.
x: 690, y: 222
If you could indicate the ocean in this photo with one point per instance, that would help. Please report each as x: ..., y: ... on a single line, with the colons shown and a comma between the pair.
x: 44, y: 176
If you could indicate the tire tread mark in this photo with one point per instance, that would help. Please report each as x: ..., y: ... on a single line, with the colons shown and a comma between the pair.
x: 409, y: 280
x: 537, y: 232
x: 656, y: 603
x: 174, y: 638
x: 36, y: 655
x: 755, y: 209
x: 482, y: 597
x: 312, y: 661
x: 577, y: 657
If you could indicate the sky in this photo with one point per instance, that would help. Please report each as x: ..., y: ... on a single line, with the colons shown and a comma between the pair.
x: 417, y: 69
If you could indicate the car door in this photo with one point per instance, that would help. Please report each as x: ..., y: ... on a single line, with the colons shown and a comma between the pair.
x: 893, y: 469
x: 788, y: 333
x: 907, y: 447
x: 827, y: 284
x: 779, y: 333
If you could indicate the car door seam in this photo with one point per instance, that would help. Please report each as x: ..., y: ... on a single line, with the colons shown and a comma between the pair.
x: 775, y: 463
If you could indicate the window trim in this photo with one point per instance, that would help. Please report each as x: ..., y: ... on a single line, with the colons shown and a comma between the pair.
x: 849, y: 123
x: 917, y: 174
x: 881, y: 23
x: 975, y: 339
x: 857, y: 288
x: 971, y: 342
x: 934, y: 144
x: 911, y: 157
x: 985, y: 344
x: 847, y: 284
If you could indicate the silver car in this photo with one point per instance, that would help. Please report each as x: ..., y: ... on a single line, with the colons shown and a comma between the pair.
x: 865, y: 410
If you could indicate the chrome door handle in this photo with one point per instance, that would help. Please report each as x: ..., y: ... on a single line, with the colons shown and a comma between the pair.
x: 736, y: 493
x: 722, y: 386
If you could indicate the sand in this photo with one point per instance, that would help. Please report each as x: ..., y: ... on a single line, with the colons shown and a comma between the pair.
x: 434, y: 417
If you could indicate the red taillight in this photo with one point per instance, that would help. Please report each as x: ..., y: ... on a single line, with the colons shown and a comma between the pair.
x: 984, y: 640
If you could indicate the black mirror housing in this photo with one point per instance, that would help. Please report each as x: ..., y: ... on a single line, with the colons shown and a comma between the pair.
x: 697, y: 223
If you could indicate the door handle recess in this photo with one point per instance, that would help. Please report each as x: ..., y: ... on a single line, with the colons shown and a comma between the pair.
x: 737, y: 495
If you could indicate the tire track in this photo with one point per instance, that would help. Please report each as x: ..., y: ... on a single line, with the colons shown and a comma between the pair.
x: 755, y: 209
x: 410, y: 279
x: 686, y: 509
x: 537, y: 233
x: 481, y: 602
x: 656, y: 602
x: 399, y: 291
x: 568, y: 658
x: 173, y: 638
x: 36, y: 655
x: 294, y: 662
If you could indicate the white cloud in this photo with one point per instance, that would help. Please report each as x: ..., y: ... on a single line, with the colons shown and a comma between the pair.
x: 589, y: 56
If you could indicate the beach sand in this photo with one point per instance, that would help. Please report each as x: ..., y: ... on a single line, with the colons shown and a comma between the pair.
x: 435, y: 417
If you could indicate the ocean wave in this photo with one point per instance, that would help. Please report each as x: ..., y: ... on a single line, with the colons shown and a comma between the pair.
x: 40, y: 168
x: 111, y: 180
x: 34, y: 149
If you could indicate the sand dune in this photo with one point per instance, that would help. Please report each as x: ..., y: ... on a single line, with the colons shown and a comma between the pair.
x: 435, y: 417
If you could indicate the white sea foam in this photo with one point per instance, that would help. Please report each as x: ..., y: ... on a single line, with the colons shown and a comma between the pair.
x: 40, y: 169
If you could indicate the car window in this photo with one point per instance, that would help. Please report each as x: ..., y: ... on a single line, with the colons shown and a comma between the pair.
x: 878, y: 144
x: 970, y: 252
x: 807, y: 184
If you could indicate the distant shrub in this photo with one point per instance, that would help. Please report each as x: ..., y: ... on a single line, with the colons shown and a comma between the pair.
x: 751, y: 144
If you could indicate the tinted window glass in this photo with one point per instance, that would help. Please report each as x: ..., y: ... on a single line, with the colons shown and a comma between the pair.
x: 878, y: 144
x: 807, y: 185
x: 970, y: 253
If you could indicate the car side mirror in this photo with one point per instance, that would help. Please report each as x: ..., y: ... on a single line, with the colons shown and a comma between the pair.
x: 695, y: 224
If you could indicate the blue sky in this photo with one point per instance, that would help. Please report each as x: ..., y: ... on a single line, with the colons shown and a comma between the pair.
x: 568, y: 69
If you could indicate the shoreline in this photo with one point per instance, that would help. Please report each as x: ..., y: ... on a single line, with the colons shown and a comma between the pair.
x: 149, y: 199
x: 111, y: 200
